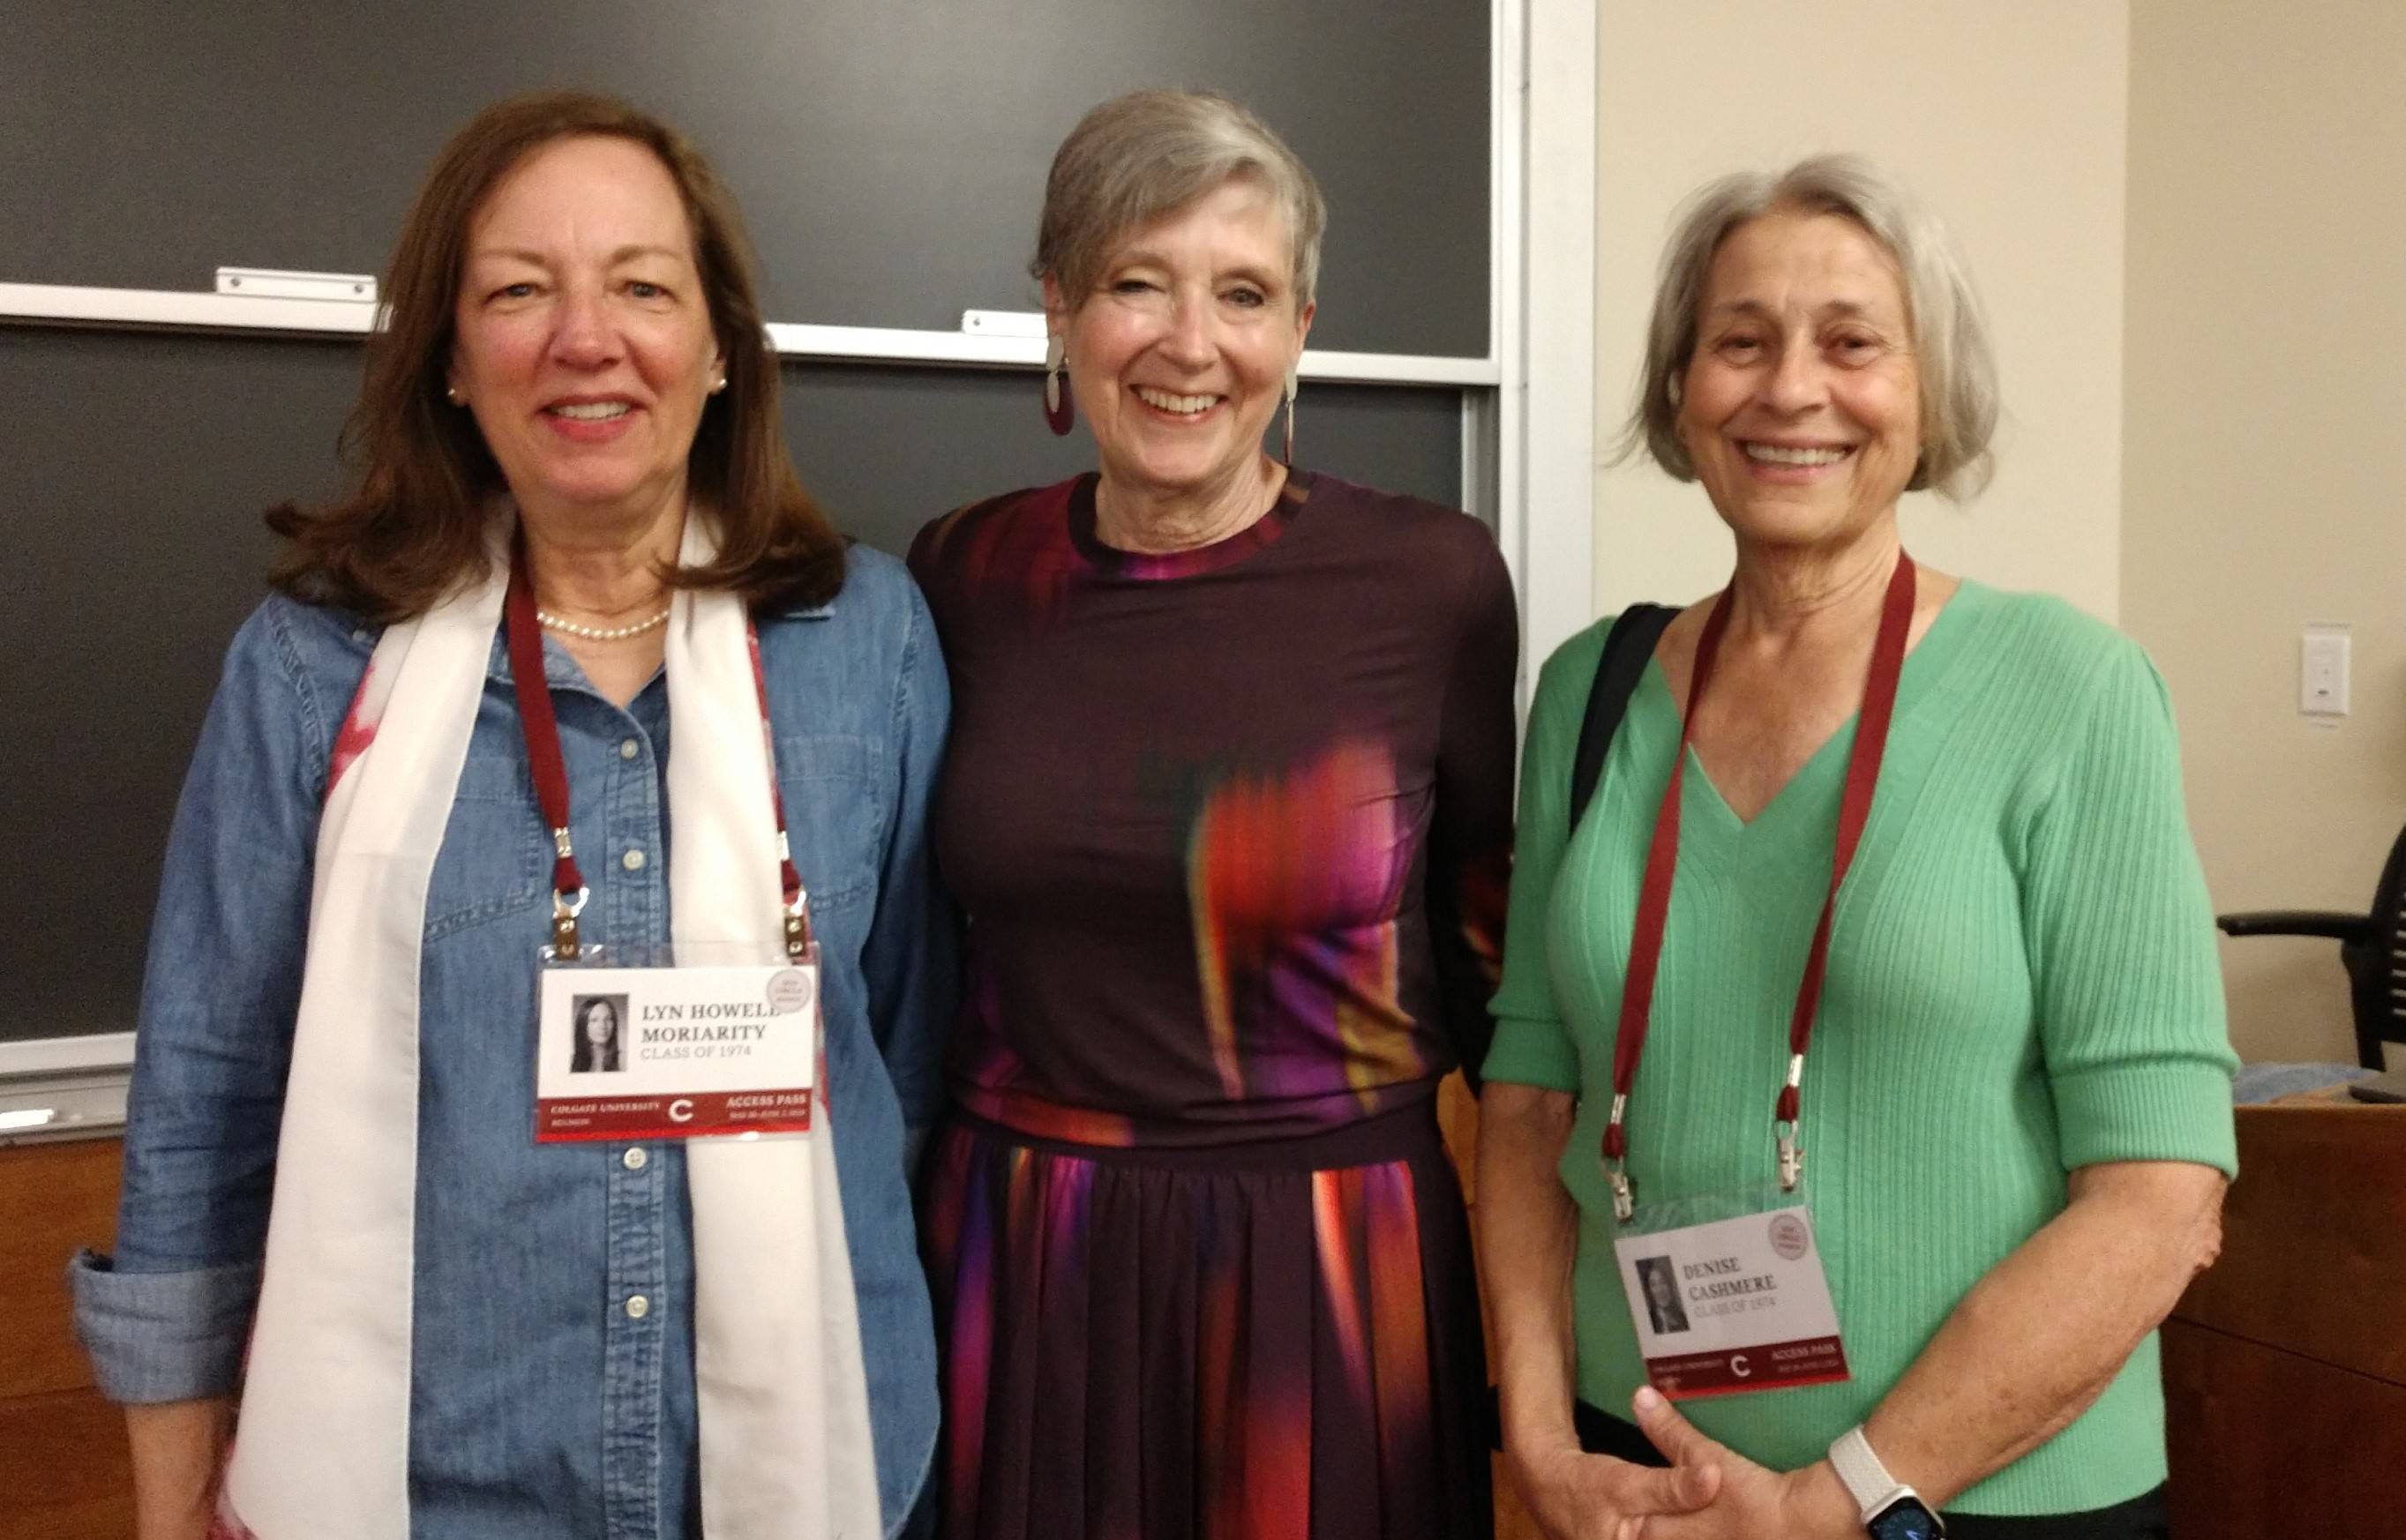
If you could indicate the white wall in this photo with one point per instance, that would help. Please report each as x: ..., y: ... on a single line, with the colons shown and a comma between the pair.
x: 2266, y: 482
x: 2010, y: 120
x: 2184, y: 216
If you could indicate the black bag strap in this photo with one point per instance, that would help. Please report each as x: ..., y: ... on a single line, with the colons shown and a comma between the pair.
x: 1627, y: 649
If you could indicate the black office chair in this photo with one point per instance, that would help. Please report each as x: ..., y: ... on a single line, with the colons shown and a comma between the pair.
x: 2371, y: 947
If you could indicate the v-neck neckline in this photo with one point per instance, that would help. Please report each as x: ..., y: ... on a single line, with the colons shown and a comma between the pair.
x: 1922, y: 665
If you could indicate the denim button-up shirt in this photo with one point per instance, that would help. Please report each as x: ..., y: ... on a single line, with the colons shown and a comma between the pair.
x: 551, y: 1382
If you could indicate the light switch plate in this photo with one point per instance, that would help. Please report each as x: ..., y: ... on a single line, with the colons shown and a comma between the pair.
x: 2322, y: 673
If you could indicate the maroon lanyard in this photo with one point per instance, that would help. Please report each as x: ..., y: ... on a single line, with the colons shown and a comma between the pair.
x: 1662, y: 860
x: 542, y: 728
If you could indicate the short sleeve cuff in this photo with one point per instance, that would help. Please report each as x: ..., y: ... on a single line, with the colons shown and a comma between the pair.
x: 164, y: 1336
x: 1527, y: 1051
x: 2159, y: 1109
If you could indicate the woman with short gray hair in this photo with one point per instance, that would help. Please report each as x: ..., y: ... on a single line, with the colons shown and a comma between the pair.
x: 1229, y: 806
x: 1921, y: 836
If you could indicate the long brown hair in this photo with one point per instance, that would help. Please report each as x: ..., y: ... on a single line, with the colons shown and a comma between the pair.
x: 413, y: 529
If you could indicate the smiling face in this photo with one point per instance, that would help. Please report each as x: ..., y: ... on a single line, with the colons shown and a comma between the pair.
x: 1180, y: 354
x: 1659, y: 1288
x: 600, y: 1022
x: 583, y: 340
x: 1800, y: 408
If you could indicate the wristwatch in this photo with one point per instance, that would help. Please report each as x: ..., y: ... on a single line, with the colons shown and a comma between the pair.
x: 1891, y: 1509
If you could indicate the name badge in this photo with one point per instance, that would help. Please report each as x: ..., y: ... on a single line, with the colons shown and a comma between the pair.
x: 1732, y: 1304
x: 676, y: 1052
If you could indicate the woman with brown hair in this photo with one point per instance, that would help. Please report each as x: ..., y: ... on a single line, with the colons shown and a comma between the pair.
x: 575, y: 535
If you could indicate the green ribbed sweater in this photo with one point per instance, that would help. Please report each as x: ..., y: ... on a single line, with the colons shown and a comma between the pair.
x: 2022, y: 980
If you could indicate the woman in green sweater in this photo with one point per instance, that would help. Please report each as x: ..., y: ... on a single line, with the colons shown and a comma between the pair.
x: 1985, y: 1121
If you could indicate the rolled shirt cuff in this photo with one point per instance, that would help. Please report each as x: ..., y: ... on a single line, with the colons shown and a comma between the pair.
x: 164, y: 1336
x: 2147, y: 1110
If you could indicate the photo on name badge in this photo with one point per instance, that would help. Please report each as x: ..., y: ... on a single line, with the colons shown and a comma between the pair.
x: 1661, y: 1283
x: 597, y: 1025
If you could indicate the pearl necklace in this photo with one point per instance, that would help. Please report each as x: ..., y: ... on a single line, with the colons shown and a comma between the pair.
x: 600, y: 633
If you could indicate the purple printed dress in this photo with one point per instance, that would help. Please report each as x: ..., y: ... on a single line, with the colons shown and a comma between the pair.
x: 1232, y: 829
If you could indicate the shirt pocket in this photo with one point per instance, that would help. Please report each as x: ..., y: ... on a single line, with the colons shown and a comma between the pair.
x: 835, y: 816
x: 496, y: 856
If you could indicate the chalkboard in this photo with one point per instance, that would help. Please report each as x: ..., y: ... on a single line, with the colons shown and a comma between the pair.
x: 889, y: 158
x: 889, y: 154
x: 137, y: 466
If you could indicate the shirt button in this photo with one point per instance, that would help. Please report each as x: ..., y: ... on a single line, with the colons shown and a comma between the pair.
x: 632, y: 860
x: 629, y: 749
x: 638, y: 1307
x: 634, y: 1159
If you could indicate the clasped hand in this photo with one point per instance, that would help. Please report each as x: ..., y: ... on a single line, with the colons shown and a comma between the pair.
x: 1707, y: 1494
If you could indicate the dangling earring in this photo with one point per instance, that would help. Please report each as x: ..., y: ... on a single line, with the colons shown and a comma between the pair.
x: 1292, y: 385
x: 1059, y: 410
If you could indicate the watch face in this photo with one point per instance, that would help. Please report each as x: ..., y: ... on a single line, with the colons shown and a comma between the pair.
x: 1906, y: 1519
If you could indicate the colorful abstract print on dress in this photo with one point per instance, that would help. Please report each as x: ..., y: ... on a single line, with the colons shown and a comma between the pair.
x: 1293, y: 882
x: 1034, y: 548
x: 1232, y: 826
x: 989, y: 1077
x: 1026, y: 559
x: 1486, y: 885
x: 1270, y: 1370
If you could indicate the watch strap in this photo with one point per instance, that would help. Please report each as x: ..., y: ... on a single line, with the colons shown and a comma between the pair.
x: 1868, y: 1482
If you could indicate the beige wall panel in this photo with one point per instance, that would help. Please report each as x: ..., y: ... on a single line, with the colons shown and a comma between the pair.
x: 2010, y: 121
x: 2265, y: 441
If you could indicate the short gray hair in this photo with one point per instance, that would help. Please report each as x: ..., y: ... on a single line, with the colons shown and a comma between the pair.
x: 1950, y: 340
x: 1149, y: 154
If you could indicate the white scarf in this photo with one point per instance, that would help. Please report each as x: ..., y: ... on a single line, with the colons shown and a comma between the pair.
x: 323, y: 1444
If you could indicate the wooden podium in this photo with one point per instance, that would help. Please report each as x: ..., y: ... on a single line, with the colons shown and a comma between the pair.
x: 64, y: 1471
x: 2284, y: 1364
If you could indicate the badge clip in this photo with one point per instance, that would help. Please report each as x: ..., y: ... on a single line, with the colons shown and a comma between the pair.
x: 564, y: 911
x: 1786, y: 1118
x: 1616, y: 1164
